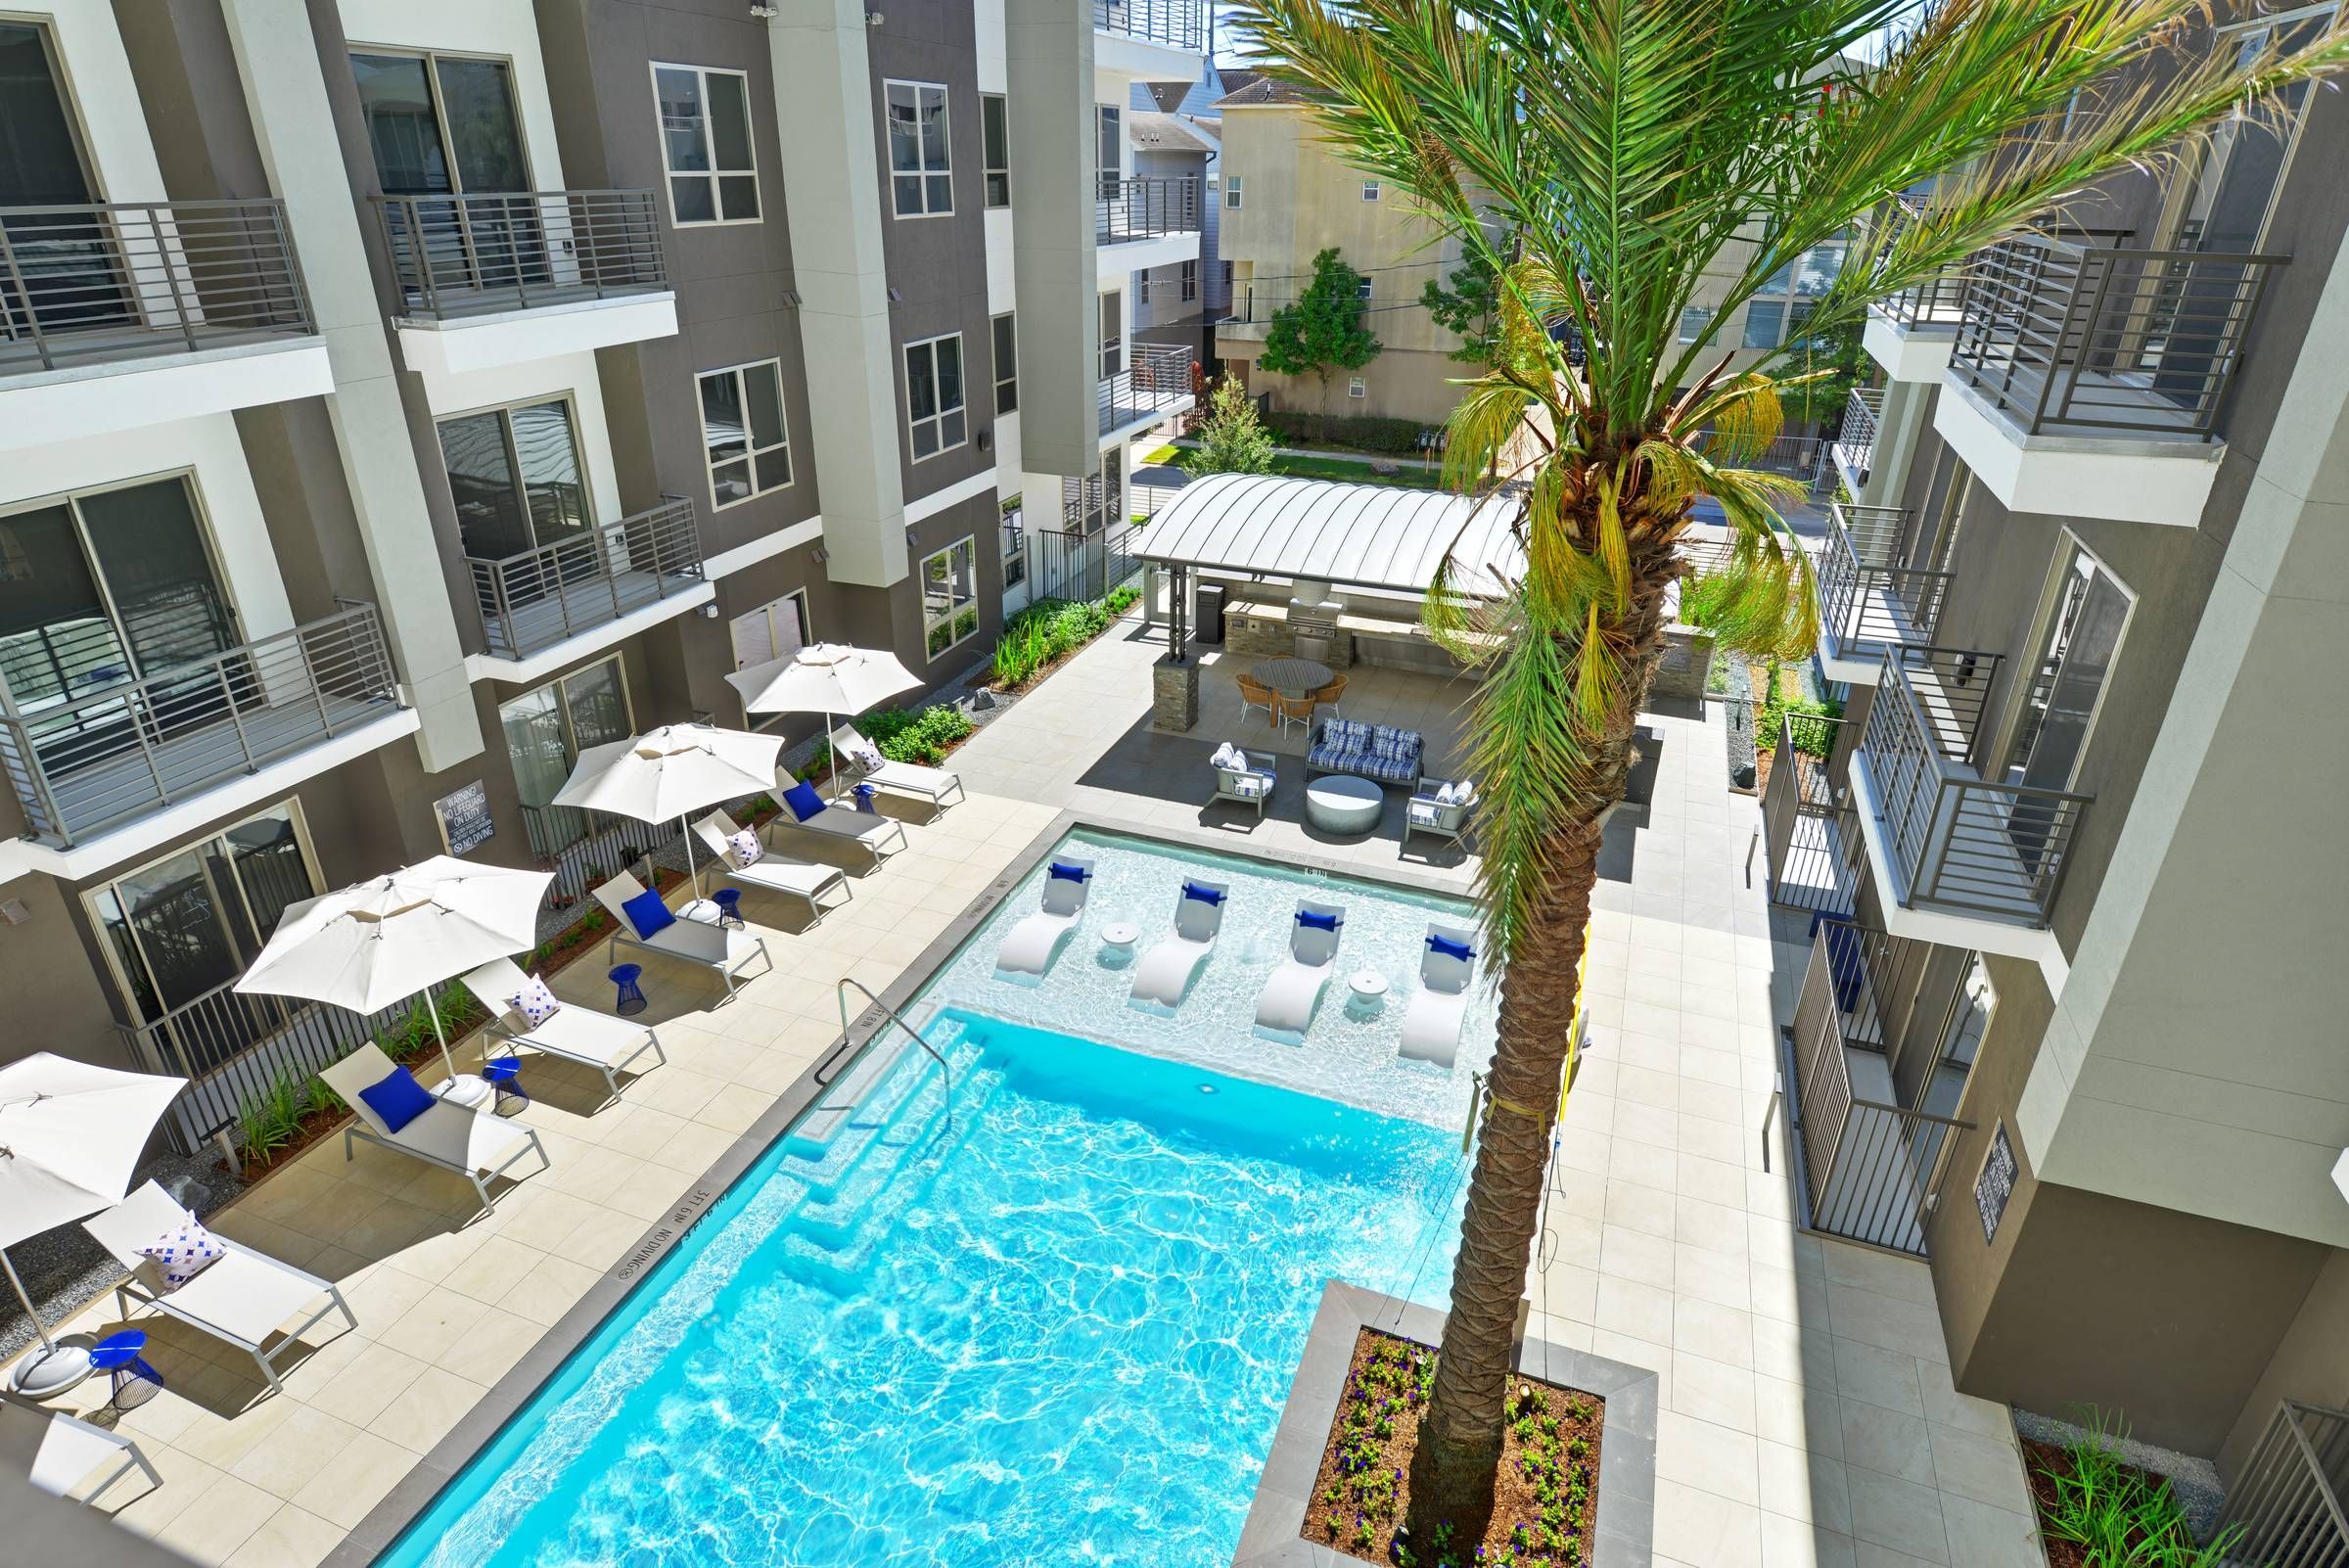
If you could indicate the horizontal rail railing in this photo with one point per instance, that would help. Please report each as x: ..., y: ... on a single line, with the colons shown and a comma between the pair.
x: 1146, y: 208
x: 1934, y: 304
x: 116, y: 281
x: 1863, y: 596
x: 2089, y: 335
x: 539, y: 597
x: 460, y: 255
x: 1155, y: 379
x: 2291, y: 1497
x: 1808, y: 827
x: 1180, y: 24
x: 1785, y: 454
x: 1856, y: 438
x: 82, y: 765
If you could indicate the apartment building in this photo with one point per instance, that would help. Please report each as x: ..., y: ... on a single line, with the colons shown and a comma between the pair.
x: 1178, y: 137
x: 2070, y: 1032
x: 397, y: 398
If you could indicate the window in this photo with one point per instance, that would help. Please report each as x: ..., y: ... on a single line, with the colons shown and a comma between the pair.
x: 776, y: 629
x: 1113, y: 334
x: 1232, y: 189
x: 80, y: 280
x: 1356, y: 386
x: 935, y: 419
x: 442, y: 127
x: 1362, y: 291
x: 1007, y: 365
x: 994, y: 135
x: 1141, y: 288
x: 1369, y: 189
x: 1774, y: 316
x: 1090, y: 503
x: 1765, y: 323
x: 545, y: 731
x: 1015, y: 545
x: 1227, y: 279
x: 950, y: 596
x: 2077, y: 644
x: 1109, y: 148
x: 706, y: 145
x: 1189, y: 276
x: 2230, y: 200
x: 921, y: 178
x: 1695, y: 322
x: 514, y: 474
x: 745, y: 433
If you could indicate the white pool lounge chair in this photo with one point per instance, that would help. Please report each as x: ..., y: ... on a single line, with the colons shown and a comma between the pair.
x: 57, y: 1452
x: 776, y: 873
x: 1165, y: 974
x: 576, y: 1033
x: 724, y: 949
x: 1431, y: 1024
x: 244, y: 1297
x: 880, y: 836
x: 1284, y: 1008
x: 471, y: 1140
x: 932, y: 784
x: 1033, y: 945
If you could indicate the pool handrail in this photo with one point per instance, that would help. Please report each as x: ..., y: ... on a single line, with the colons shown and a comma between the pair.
x: 839, y: 993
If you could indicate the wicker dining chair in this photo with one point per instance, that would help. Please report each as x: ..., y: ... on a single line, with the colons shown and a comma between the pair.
x: 1256, y: 694
x: 1294, y: 710
x: 1327, y: 696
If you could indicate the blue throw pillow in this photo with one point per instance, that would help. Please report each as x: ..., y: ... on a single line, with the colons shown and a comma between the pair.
x: 1062, y: 871
x: 648, y: 914
x: 1206, y: 896
x: 1451, y: 948
x: 802, y: 800
x: 397, y: 1099
x: 1317, y: 922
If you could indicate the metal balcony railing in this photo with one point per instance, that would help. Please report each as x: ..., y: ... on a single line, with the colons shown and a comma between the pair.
x: 1180, y: 24
x: 114, y: 282
x: 1959, y: 843
x: 1867, y: 600
x: 542, y: 596
x: 2080, y: 335
x: 1854, y: 442
x: 1146, y: 208
x: 97, y: 761
x: 1154, y: 381
x: 1872, y: 1170
x: 1933, y: 304
x: 2289, y: 1495
x: 468, y: 256
x: 1813, y: 840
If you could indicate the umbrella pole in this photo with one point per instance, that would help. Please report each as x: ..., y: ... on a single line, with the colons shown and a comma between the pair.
x: 434, y: 1007
x: 693, y: 870
x: 37, y: 1327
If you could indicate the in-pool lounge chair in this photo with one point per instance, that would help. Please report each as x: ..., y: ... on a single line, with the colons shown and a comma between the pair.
x: 243, y: 1297
x: 469, y: 1139
x: 937, y: 785
x: 1031, y: 946
x: 1284, y: 1008
x: 1165, y: 974
x: 574, y: 1033
x: 803, y: 808
x: 57, y: 1452
x: 776, y: 873
x: 654, y: 928
x: 1431, y: 1024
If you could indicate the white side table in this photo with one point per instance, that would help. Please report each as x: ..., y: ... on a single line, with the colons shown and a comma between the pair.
x: 1117, y: 944
x: 466, y: 1089
x: 1366, y: 993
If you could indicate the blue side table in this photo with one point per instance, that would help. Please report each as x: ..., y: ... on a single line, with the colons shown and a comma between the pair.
x: 631, y: 995
x: 504, y: 1074
x: 866, y: 800
x: 729, y: 907
x: 135, y: 1382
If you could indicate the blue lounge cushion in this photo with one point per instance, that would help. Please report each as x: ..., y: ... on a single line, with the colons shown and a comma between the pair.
x: 1449, y: 948
x: 1062, y: 871
x: 398, y: 1098
x: 1208, y: 896
x: 1318, y: 922
x: 802, y: 800
x: 648, y: 914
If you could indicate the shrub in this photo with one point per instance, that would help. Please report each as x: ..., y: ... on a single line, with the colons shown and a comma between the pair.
x: 1050, y: 629
x: 917, y: 737
x: 1814, y: 735
x: 1702, y: 597
x: 271, y: 1118
x: 1363, y: 433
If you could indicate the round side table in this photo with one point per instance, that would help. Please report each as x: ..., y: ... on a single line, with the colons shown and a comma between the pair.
x: 729, y: 907
x: 119, y: 1355
x: 631, y: 995
x: 1117, y: 944
x: 1366, y: 993
x: 504, y: 1076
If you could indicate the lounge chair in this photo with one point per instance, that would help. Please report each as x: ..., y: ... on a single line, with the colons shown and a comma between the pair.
x: 1033, y: 945
x: 724, y: 949
x: 1284, y: 1008
x: 243, y: 1298
x: 880, y: 836
x: 1165, y: 974
x: 776, y: 873
x: 59, y: 1452
x: 1431, y: 1024
x: 1440, y: 810
x: 932, y: 784
x: 471, y: 1140
x: 1248, y: 781
x: 576, y: 1033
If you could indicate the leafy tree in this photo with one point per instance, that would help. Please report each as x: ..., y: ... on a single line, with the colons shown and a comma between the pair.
x: 1322, y: 330
x: 1469, y: 308
x: 1231, y: 439
x: 1623, y: 143
x: 1817, y: 372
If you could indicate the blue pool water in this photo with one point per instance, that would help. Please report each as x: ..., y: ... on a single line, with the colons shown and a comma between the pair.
x: 1049, y: 1317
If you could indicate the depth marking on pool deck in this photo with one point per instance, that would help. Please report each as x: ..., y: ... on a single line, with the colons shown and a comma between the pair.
x: 680, y: 1220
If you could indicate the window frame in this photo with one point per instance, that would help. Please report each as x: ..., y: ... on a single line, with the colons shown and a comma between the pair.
x: 1186, y: 282
x: 2070, y: 551
x: 992, y: 126
x: 1233, y: 199
x: 1006, y: 382
x: 807, y: 619
x: 751, y: 450
x: 938, y: 417
x: 1370, y: 190
x: 560, y: 686
x: 712, y: 174
x: 1357, y: 386
x: 567, y: 397
x: 1010, y: 524
x: 955, y: 612
x: 922, y: 174
x: 1111, y: 361
x: 432, y: 76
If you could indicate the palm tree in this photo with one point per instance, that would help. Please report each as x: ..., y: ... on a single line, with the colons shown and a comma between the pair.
x: 1600, y: 155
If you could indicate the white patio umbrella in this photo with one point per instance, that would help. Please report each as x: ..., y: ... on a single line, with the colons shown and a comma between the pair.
x: 674, y: 771
x: 825, y: 677
x: 371, y: 944
x: 69, y: 1135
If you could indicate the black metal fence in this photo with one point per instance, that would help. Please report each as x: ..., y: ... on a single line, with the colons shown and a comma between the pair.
x: 1080, y: 566
x: 2287, y: 1497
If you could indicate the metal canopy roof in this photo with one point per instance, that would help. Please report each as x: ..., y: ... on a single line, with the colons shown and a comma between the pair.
x: 1360, y: 535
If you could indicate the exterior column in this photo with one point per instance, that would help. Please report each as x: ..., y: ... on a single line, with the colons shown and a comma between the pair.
x: 1905, y: 405
x: 1050, y: 45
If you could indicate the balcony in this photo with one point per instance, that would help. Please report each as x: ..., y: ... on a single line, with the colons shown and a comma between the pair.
x: 1147, y: 222
x: 499, y: 279
x: 616, y: 579
x: 1854, y: 447
x: 1140, y: 37
x: 112, y: 316
x: 1909, y: 333
x: 2089, y: 380
x: 1979, y: 862
x: 122, y: 753
x: 1817, y: 853
x: 2287, y: 1496
x: 1156, y: 384
x: 1869, y: 603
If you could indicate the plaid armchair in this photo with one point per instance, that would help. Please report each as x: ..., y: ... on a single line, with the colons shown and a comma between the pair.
x: 1440, y: 809
x: 1248, y: 782
x: 1378, y: 753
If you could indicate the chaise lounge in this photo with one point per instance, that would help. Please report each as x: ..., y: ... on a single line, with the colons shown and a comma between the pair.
x: 803, y: 808
x: 1284, y: 1008
x: 932, y: 784
x: 776, y: 873
x: 470, y: 1141
x: 641, y: 921
x: 1165, y: 974
x: 1431, y: 1024
x: 1034, y: 945
x: 574, y: 1033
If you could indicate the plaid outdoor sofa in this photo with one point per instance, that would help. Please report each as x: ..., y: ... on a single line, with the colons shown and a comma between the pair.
x: 1375, y: 752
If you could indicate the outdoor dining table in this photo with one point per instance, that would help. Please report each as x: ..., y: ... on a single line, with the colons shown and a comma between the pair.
x: 1292, y: 677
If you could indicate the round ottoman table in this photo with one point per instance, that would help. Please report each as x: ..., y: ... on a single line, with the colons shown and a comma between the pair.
x: 1366, y: 993
x: 1344, y: 804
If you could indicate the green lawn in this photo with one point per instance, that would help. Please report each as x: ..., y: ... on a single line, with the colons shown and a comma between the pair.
x: 1165, y: 454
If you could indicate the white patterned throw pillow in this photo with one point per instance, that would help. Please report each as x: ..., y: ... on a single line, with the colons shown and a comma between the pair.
x: 534, y: 1002
x: 744, y: 849
x: 183, y: 1251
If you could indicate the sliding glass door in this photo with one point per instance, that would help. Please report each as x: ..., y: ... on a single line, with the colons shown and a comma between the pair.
x: 514, y: 474
x: 545, y: 731
x: 64, y: 265
x: 445, y: 126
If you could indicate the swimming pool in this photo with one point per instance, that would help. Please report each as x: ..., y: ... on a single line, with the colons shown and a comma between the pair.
x: 1040, y: 1306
